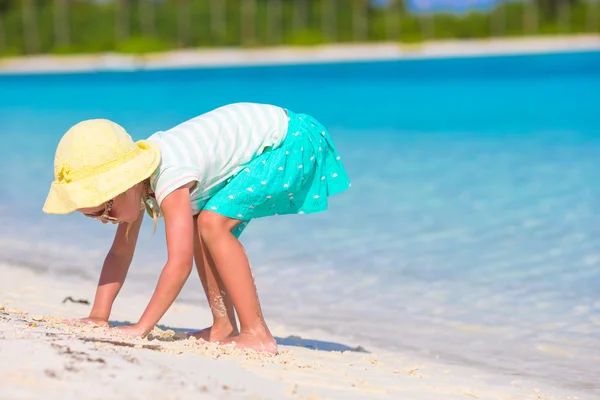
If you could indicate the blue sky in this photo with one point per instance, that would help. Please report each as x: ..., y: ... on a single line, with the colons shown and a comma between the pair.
x: 443, y: 5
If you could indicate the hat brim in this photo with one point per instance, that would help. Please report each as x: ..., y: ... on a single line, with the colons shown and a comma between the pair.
x: 65, y: 198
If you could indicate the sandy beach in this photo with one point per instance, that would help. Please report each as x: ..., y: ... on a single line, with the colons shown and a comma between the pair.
x: 41, y: 354
x: 224, y: 57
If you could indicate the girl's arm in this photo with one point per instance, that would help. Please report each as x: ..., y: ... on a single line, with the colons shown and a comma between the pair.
x: 179, y: 227
x: 114, y: 270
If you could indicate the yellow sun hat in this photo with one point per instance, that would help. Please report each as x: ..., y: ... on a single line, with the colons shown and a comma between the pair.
x: 95, y: 161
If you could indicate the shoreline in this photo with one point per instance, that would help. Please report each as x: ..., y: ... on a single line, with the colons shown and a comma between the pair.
x: 42, y: 354
x: 272, y: 56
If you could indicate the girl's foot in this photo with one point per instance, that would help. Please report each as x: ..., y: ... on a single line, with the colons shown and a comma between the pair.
x: 264, y: 342
x: 214, y: 333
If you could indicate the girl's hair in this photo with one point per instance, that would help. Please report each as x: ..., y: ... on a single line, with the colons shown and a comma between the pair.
x: 149, y: 209
x: 145, y: 199
x: 154, y: 217
x: 127, y: 231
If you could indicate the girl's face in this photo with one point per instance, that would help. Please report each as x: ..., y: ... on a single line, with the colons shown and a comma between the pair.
x: 123, y: 208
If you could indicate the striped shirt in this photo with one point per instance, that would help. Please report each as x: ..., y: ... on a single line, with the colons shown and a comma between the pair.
x: 214, y: 146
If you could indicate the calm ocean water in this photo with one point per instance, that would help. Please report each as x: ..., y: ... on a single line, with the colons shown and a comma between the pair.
x: 471, y: 232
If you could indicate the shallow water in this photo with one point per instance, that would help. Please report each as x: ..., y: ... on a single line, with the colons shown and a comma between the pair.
x: 471, y: 232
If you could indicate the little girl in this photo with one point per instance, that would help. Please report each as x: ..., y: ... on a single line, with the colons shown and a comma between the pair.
x: 208, y: 177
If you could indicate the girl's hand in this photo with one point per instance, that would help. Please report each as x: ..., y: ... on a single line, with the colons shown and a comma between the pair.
x: 87, y: 321
x: 132, y: 330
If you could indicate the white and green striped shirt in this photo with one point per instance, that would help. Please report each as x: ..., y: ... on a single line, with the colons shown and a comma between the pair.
x: 213, y: 146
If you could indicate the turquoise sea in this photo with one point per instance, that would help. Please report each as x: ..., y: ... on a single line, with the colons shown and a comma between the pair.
x: 471, y: 233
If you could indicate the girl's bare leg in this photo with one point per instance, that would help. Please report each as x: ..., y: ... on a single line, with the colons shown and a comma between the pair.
x: 234, y: 269
x: 224, y: 323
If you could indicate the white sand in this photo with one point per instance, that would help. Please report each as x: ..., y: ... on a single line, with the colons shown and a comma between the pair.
x: 297, y: 55
x: 43, y: 358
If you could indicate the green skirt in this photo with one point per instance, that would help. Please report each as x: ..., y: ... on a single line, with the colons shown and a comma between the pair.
x: 295, y: 178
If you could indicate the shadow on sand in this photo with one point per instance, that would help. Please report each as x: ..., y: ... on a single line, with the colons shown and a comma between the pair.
x: 287, y: 341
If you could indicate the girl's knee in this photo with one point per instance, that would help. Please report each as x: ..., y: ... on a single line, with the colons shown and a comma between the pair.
x: 210, y: 223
